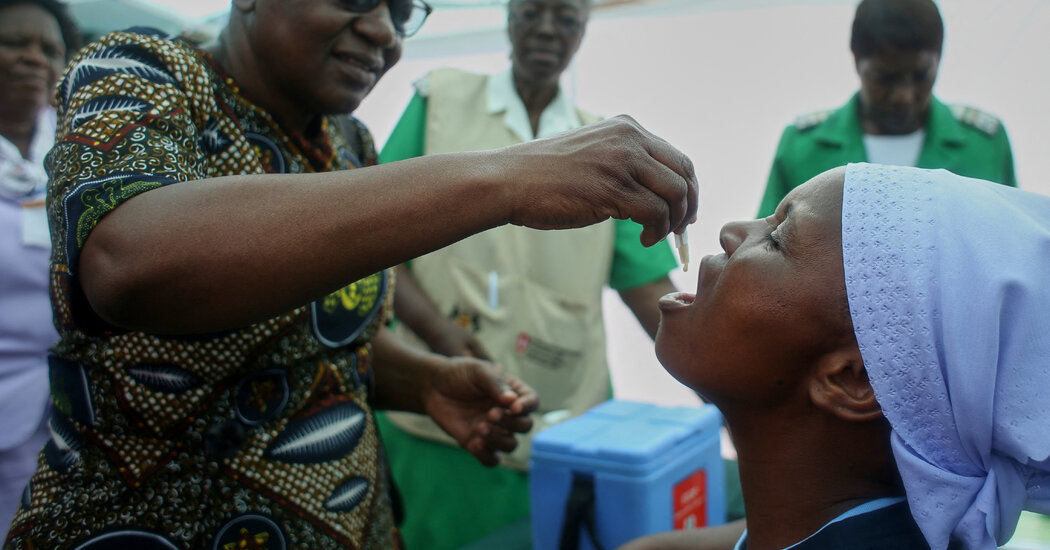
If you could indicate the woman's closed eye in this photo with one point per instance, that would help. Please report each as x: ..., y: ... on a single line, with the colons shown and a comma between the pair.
x: 773, y: 239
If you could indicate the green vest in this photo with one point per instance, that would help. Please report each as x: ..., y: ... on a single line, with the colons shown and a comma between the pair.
x: 534, y: 297
x: 960, y: 139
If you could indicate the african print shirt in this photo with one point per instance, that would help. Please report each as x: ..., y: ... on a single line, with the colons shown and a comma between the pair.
x: 260, y: 437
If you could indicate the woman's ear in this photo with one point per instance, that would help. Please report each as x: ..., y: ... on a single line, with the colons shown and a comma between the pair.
x: 839, y: 384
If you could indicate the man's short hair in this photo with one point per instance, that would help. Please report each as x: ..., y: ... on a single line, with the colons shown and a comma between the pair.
x: 908, y: 25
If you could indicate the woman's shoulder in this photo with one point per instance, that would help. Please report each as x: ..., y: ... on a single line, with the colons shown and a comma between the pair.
x: 138, y: 52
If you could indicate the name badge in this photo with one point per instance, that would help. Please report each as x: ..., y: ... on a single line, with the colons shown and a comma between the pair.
x: 34, y: 225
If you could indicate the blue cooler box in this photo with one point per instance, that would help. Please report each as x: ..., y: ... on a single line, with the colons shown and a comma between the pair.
x: 625, y: 469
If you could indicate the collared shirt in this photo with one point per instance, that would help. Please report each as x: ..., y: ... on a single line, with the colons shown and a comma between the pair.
x: 866, y: 508
x: 559, y: 116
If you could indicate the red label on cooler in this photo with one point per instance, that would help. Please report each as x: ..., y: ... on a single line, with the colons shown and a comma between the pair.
x: 690, y: 501
x: 522, y: 345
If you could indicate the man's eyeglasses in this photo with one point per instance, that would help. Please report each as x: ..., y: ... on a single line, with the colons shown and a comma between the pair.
x: 407, y: 15
x: 529, y: 14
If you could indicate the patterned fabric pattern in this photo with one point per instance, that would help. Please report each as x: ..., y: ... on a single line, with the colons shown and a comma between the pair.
x: 260, y: 437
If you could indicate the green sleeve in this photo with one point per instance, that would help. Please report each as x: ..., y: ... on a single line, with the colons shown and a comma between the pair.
x: 776, y: 185
x: 409, y: 135
x: 634, y: 265
x: 1009, y: 177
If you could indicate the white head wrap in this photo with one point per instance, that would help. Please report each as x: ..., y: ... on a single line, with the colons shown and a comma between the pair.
x: 948, y: 281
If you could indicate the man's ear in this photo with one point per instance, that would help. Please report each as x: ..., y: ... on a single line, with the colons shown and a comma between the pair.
x: 839, y: 384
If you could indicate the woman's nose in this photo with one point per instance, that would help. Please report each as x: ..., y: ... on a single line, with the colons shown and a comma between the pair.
x: 732, y: 235
x: 378, y: 26
x: 33, y: 52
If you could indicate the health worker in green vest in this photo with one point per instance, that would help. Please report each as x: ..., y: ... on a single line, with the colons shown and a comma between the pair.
x: 894, y: 118
x: 529, y: 300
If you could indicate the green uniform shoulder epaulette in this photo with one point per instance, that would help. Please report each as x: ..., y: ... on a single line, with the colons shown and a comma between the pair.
x: 809, y: 120
x: 972, y: 116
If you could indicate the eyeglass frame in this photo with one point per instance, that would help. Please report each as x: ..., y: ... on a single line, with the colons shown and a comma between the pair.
x: 417, y: 6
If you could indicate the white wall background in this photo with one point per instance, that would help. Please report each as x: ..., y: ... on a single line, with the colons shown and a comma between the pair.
x: 721, y: 78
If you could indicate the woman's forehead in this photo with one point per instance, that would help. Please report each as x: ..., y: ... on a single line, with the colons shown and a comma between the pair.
x: 810, y: 220
x: 820, y: 196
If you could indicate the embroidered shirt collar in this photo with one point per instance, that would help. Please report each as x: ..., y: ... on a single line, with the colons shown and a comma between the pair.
x: 558, y: 117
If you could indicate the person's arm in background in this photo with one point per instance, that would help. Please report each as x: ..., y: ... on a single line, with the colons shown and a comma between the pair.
x: 720, y: 537
x: 414, y: 308
x: 639, y: 274
x: 412, y: 305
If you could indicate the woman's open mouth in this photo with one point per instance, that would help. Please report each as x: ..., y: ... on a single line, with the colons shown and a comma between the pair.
x: 676, y: 300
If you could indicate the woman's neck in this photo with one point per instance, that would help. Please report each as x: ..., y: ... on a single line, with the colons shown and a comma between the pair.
x: 801, y: 474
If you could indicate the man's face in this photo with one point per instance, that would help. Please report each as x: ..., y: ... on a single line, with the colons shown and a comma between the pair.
x: 895, y: 90
x: 765, y: 310
x: 544, y: 36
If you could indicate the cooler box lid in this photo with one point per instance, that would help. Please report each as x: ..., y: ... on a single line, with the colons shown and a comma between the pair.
x: 626, y: 433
